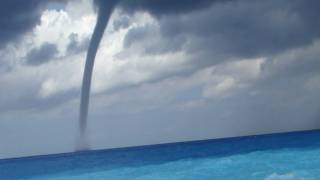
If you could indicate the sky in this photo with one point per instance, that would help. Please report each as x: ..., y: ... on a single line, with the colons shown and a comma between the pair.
x: 165, y: 71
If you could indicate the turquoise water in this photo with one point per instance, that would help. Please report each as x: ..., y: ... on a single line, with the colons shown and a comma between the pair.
x: 281, y: 156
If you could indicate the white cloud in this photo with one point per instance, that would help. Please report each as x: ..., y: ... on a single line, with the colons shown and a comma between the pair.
x: 56, y: 27
x: 221, y: 89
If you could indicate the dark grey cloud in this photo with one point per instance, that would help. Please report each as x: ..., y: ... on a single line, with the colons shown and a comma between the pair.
x: 166, y: 46
x: 159, y: 8
x: 304, y: 62
x: 18, y: 17
x: 135, y: 33
x: 252, y: 29
x: 41, y: 55
x: 76, y: 45
x: 240, y: 28
x: 121, y: 23
x: 147, y: 35
x: 57, y: 4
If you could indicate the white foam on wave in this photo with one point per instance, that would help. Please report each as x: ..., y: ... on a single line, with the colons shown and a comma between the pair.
x: 276, y: 176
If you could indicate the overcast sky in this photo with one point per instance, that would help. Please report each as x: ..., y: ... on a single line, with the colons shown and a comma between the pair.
x: 165, y: 71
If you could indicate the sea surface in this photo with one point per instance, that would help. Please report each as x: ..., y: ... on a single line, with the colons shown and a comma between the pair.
x: 278, y: 156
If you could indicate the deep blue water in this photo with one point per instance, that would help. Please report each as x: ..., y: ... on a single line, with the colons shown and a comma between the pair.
x: 279, y: 156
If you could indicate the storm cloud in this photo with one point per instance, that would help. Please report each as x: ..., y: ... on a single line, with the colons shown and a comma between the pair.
x: 236, y: 29
x: 75, y: 45
x: 41, y: 55
x: 18, y: 17
x: 164, y: 7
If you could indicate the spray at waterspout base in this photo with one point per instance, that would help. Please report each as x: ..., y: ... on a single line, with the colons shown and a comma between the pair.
x: 82, y: 143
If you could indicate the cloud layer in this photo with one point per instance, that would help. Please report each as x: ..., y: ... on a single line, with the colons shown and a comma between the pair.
x: 163, y: 67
